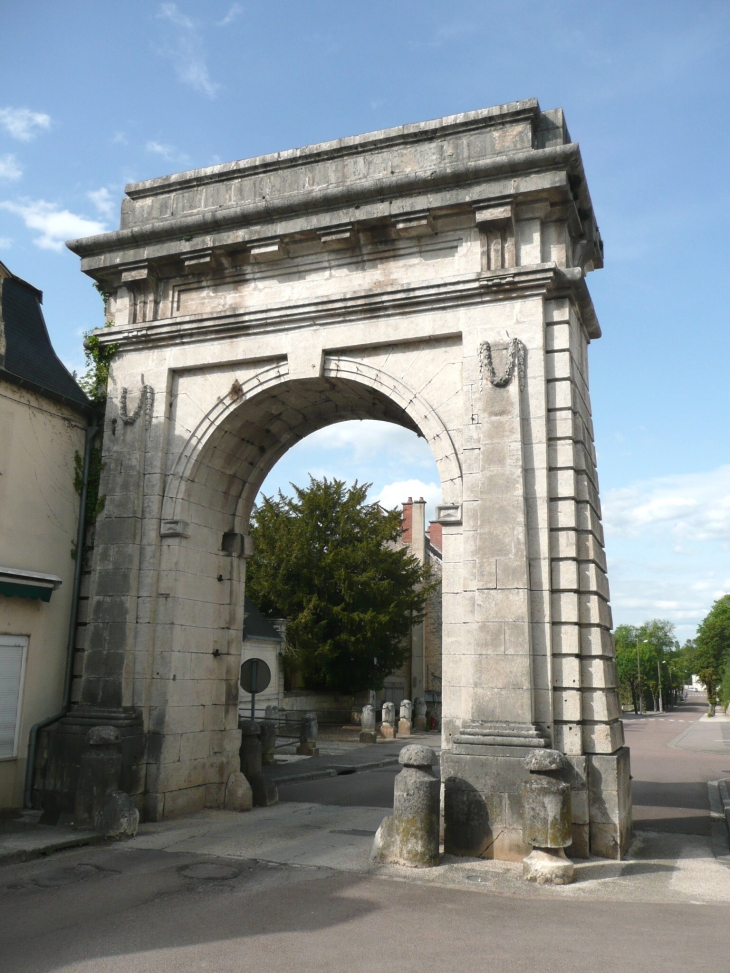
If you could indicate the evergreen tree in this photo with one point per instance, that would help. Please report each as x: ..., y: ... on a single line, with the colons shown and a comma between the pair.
x: 326, y: 560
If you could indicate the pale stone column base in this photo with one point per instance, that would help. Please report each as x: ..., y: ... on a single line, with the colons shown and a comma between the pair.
x: 548, y: 866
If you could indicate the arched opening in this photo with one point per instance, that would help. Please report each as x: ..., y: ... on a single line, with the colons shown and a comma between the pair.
x: 217, y: 477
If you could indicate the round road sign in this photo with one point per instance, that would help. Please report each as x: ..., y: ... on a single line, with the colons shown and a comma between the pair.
x: 255, y: 676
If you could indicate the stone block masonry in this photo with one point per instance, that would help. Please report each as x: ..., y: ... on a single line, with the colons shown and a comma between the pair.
x: 432, y: 276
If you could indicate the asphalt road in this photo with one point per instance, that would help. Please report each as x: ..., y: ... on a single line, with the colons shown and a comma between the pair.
x: 146, y: 910
x: 102, y: 910
x: 673, y: 755
x: 669, y: 788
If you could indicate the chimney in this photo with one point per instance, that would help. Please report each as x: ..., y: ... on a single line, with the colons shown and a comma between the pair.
x: 418, y: 529
x: 435, y: 535
x: 407, y: 522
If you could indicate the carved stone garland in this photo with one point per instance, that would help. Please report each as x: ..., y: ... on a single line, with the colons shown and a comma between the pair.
x: 515, y: 359
x: 146, y: 402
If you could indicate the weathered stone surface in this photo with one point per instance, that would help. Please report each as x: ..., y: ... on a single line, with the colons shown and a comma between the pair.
x: 546, y: 813
x: 367, y: 725
x: 239, y: 796
x: 548, y: 867
x: 100, y: 771
x: 376, y: 277
x: 544, y: 761
x: 119, y: 817
x: 416, y: 755
x: 268, y: 742
x: 308, y: 733
x: 263, y: 789
x: 609, y: 797
x: 410, y: 836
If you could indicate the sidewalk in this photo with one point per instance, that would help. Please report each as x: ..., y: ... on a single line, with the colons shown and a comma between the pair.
x: 22, y: 838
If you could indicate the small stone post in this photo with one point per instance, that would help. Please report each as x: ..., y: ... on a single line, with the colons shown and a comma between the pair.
x: 404, y: 723
x: 268, y: 742
x: 367, y: 722
x: 308, y: 732
x: 263, y: 790
x: 419, y: 710
x: 546, y: 820
x: 410, y: 836
x: 268, y: 735
x: 99, y: 774
x: 387, y: 727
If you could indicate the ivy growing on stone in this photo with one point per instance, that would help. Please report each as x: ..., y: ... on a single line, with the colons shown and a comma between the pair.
x: 94, y: 382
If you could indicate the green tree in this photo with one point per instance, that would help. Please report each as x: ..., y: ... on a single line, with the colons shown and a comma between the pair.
x: 326, y: 560
x: 644, y: 656
x: 711, y: 655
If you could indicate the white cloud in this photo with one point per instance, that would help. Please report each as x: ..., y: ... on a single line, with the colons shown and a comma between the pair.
x: 235, y: 10
x: 10, y: 167
x: 394, y: 494
x: 168, y: 152
x: 103, y: 200
x: 690, y: 506
x: 55, y: 225
x: 668, y: 546
x: 22, y: 123
x: 185, y: 50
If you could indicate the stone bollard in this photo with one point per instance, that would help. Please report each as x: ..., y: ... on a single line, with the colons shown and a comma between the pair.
x: 546, y: 820
x: 263, y: 790
x: 268, y: 742
x: 119, y: 817
x: 367, y: 723
x: 387, y: 727
x: 100, y: 771
x: 419, y: 712
x: 404, y: 723
x: 308, y: 732
x: 410, y: 836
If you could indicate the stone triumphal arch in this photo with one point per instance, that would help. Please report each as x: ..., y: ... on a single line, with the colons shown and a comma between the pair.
x: 432, y: 276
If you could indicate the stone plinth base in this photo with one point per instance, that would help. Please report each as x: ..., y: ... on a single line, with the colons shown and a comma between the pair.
x: 404, y: 728
x: 483, y: 803
x: 609, y: 801
x: 60, y: 750
x: 387, y: 731
x: 368, y: 736
x: 548, y: 866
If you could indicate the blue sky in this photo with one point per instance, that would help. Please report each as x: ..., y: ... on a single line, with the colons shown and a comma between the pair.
x: 95, y: 95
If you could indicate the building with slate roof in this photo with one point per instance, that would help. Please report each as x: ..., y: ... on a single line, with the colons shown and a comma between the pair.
x: 262, y: 639
x: 43, y: 420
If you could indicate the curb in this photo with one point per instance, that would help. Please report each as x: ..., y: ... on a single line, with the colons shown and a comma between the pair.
x: 336, y: 770
x: 717, y: 791
x: 19, y: 855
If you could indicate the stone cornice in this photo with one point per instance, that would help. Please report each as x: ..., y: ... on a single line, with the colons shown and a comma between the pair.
x: 209, y: 222
x: 402, y: 135
x: 456, y: 292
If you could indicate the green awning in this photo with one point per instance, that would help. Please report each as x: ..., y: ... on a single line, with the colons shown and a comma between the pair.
x: 17, y: 583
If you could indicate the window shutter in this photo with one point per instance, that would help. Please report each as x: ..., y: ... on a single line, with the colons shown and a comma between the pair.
x: 12, y: 670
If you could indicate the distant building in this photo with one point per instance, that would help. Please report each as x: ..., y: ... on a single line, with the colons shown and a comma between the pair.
x: 263, y: 638
x: 421, y: 674
x: 43, y: 420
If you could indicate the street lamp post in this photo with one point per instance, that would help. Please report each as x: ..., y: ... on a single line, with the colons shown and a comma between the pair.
x: 659, y: 690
